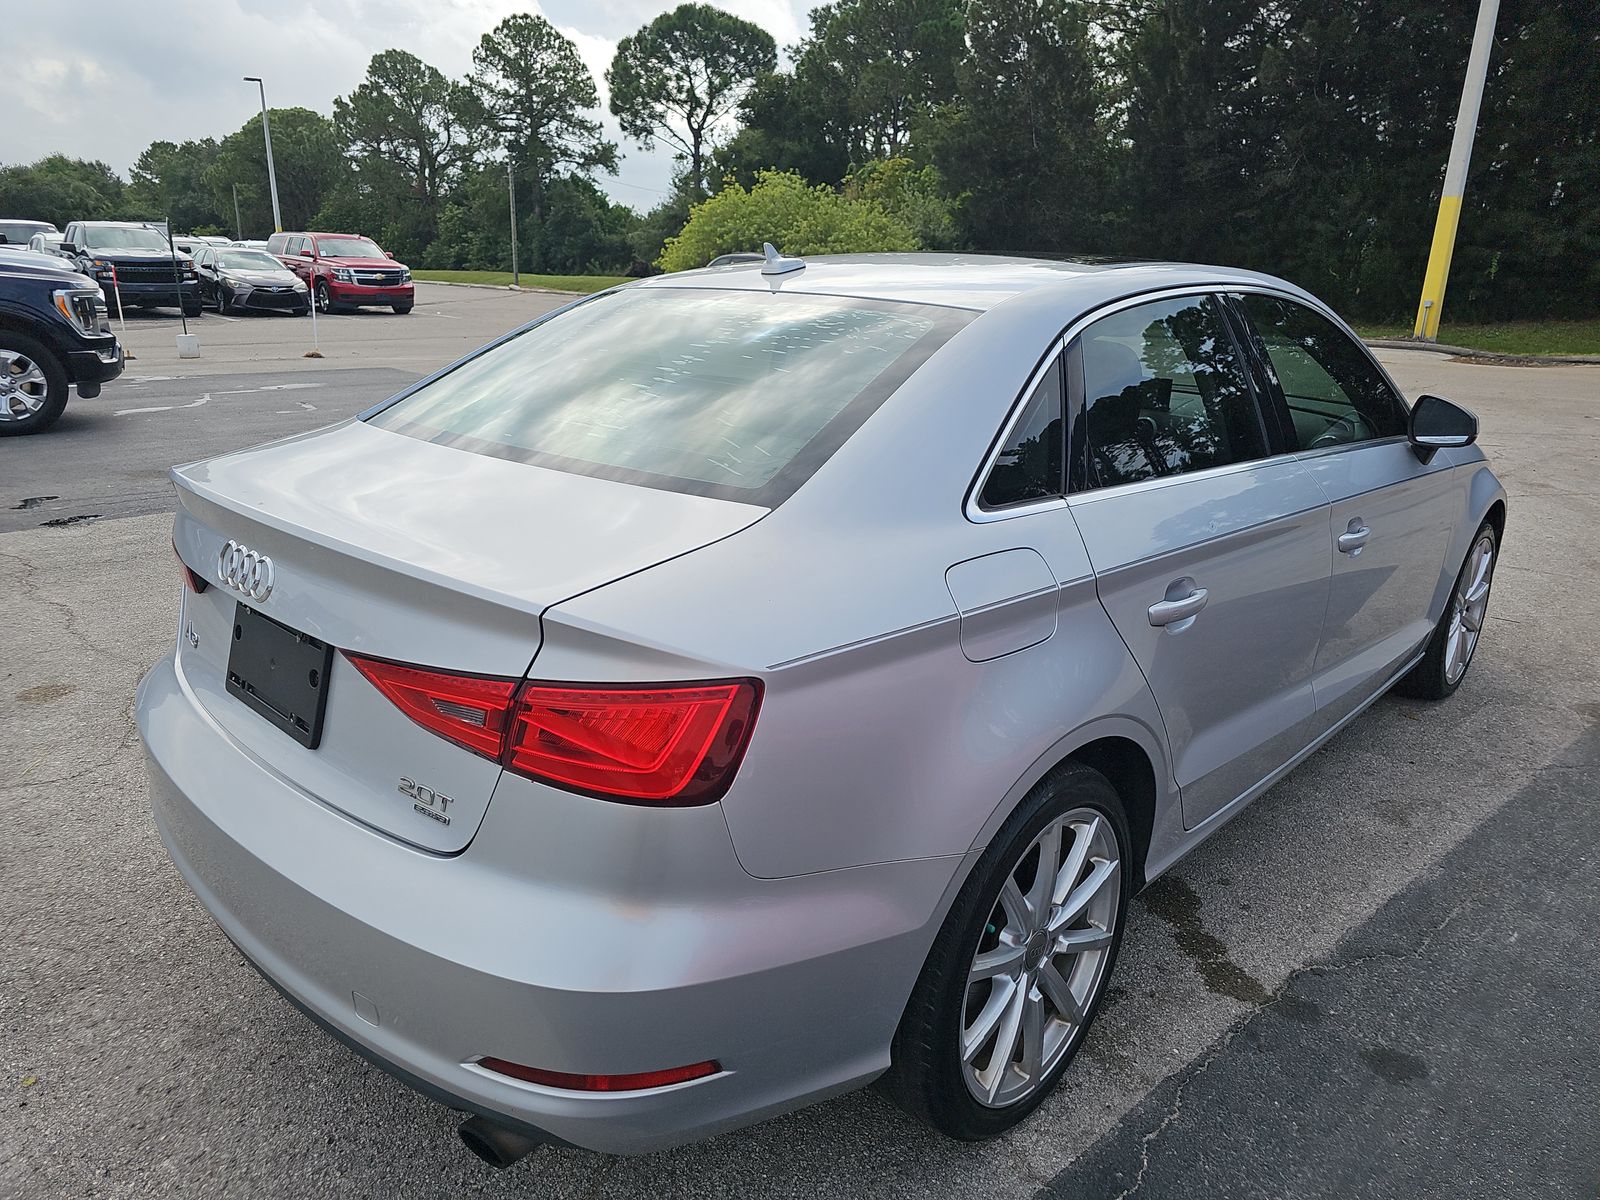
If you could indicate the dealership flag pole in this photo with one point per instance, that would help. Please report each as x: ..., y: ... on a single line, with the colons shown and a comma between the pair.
x: 1431, y: 306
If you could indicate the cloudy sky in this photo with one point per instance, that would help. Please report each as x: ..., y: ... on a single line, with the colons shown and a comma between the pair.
x: 104, y: 78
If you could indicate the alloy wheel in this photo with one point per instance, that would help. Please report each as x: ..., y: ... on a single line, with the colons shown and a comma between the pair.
x: 1468, y: 607
x: 324, y: 298
x: 23, y: 386
x: 1041, y: 959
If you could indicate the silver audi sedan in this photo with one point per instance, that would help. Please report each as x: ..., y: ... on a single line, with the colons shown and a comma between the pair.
x: 746, y: 684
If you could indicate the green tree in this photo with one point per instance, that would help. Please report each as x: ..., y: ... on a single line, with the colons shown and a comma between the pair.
x: 532, y: 93
x: 1023, y: 145
x: 168, y: 181
x: 61, y: 189
x: 784, y: 210
x: 916, y: 195
x: 866, y: 79
x: 406, y: 136
x: 681, y: 76
x: 306, y: 155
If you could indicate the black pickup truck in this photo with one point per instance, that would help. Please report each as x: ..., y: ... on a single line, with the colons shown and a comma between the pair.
x: 50, y: 339
x: 134, y: 260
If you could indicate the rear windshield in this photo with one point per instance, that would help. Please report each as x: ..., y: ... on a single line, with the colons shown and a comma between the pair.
x: 735, y: 394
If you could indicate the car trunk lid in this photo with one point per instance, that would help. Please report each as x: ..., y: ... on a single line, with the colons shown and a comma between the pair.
x: 393, y: 548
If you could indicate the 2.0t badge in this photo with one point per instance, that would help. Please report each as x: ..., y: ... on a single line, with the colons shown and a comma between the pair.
x: 426, y: 801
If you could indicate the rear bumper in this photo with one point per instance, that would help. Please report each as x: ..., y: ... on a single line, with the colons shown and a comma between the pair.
x: 426, y: 962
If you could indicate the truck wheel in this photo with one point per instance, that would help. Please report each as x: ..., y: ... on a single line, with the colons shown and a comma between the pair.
x: 193, y: 309
x: 33, y: 385
x: 324, y: 298
x: 402, y: 309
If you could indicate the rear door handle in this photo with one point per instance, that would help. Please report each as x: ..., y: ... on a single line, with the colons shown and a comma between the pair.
x: 1355, y: 537
x: 1180, y: 609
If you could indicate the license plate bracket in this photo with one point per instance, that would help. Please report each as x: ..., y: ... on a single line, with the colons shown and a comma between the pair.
x: 281, y: 673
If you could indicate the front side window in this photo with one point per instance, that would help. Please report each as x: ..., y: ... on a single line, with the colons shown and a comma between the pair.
x: 1029, y: 464
x: 736, y: 394
x: 1334, y: 392
x: 1165, y: 393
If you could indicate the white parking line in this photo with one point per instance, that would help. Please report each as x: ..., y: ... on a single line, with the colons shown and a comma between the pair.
x: 123, y: 412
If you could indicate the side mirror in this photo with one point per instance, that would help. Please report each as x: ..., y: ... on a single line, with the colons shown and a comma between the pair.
x: 1437, y: 424
x: 68, y: 248
x: 306, y: 253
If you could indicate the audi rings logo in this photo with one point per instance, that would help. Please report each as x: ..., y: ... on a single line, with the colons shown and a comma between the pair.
x: 242, y: 569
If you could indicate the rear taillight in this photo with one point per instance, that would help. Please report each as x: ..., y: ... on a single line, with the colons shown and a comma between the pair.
x: 469, y: 710
x: 652, y: 744
x: 676, y: 744
x: 192, y: 579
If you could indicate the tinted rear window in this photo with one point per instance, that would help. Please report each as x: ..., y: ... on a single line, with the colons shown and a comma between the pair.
x: 735, y: 394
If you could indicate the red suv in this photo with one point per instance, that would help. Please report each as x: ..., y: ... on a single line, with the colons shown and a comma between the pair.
x: 344, y: 270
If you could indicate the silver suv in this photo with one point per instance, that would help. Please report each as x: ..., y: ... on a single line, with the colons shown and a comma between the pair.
x: 743, y: 685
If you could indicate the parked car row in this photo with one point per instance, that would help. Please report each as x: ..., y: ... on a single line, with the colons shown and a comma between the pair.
x: 138, y: 263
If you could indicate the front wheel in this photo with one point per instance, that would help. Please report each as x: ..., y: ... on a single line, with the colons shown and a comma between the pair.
x: 402, y: 309
x: 1020, y: 967
x: 33, y: 385
x: 194, y: 308
x: 324, y: 297
x: 1450, y: 649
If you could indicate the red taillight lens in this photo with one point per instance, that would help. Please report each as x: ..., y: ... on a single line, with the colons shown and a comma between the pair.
x: 655, y: 744
x: 469, y: 710
x: 665, y: 745
x: 191, y: 578
x: 600, y: 1083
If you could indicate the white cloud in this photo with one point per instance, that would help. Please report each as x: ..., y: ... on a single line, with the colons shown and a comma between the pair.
x: 104, y: 80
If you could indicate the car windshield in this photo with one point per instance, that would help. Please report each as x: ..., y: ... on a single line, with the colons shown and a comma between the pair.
x: 248, y: 260
x: 15, y: 232
x: 348, y: 248
x: 122, y: 238
x: 736, y: 394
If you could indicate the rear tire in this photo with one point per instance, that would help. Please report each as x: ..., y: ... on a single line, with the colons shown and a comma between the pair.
x: 963, y: 990
x: 33, y: 385
x: 1455, y: 639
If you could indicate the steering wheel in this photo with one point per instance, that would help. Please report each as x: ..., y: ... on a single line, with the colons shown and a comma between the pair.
x: 1345, y: 429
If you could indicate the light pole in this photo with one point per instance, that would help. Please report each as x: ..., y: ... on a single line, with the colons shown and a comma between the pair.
x: 266, y: 132
x: 1431, y: 305
x: 511, y: 194
x: 238, y: 224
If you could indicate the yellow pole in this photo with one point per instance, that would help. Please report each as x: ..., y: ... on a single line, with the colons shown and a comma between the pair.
x: 1431, y: 306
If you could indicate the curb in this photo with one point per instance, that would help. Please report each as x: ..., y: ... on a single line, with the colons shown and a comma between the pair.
x: 495, y: 287
x: 1510, y: 360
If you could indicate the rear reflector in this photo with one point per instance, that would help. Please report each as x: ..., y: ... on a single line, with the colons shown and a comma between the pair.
x: 652, y: 744
x: 600, y: 1083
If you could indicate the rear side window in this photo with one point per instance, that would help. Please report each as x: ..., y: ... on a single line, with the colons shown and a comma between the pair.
x: 736, y: 394
x: 1028, y: 466
x: 1165, y: 393
x: 1334, y: 392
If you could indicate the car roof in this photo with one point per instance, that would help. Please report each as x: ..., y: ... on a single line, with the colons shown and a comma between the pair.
x: 974, y: 281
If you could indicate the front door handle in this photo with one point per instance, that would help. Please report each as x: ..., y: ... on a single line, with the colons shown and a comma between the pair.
x: 1353, y: 538
x: 1176, y: 611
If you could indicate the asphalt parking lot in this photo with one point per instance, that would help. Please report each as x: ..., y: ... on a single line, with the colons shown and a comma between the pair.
x: 1377, y: 981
